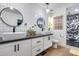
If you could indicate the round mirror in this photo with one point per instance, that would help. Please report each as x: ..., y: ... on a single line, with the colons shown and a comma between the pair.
x: 40, y: 22
x: 11, y: 17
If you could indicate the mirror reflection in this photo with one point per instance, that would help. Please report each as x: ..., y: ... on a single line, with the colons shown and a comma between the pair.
x: 11, y: 17
x: 40, y: 22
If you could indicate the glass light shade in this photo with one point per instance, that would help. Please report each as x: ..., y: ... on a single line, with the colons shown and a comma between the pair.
x: 47, y: 10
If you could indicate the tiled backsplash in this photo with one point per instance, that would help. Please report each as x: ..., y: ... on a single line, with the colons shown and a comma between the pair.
x: 4, y: 28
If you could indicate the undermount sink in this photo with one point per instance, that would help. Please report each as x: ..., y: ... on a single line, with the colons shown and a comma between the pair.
x: 12, y: 35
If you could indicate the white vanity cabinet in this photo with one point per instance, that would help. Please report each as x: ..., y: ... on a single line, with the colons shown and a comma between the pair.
x: 24, y: 48
x: 47, y: 42
x: 28, y: 47
x: 37, y: 46
x: 41, y: 44
x: 8, y: 49
x: 19, y: 48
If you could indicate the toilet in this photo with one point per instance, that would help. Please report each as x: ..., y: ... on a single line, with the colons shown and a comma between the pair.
x: 55, y: 43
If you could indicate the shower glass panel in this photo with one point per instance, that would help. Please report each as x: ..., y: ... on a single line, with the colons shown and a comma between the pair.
x: 72, y: 26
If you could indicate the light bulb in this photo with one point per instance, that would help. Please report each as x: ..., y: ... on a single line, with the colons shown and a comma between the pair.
x: 11, y: 7
x: 47, y: 10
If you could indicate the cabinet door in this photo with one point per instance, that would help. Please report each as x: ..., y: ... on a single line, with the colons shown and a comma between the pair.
x: 47, y: 42
x: 24, y: 48
x: 8, y: 49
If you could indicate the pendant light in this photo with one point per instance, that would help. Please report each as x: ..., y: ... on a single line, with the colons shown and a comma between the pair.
x: 47, y: 9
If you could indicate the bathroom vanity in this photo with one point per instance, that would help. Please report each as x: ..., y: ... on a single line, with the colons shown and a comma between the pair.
x: 29, y: 46
x: 18, y: 44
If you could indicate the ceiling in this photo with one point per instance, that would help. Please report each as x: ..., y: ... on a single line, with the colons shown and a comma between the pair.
x: 58, y: 5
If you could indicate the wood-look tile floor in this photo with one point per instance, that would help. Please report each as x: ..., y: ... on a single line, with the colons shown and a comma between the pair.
x: 60, y: 51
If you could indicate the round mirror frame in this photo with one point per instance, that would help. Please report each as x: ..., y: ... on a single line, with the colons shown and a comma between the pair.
x: 40, y: 18
x: 7, y: 23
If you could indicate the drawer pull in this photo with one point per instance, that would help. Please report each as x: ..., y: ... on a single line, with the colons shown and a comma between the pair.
x: 14, y: 48
x: 38, y: 41
x: 38, y: 50
x: 17, y: 47
x: 48, y: 38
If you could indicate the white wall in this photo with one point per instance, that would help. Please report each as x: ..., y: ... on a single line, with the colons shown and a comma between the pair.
x: 60, y: 34
x: 30, y: 13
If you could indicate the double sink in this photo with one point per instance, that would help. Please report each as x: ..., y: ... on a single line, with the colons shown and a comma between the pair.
x: 15, y: 35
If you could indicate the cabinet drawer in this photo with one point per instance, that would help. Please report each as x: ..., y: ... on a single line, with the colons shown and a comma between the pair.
x: 36, y: 42
x: 37, y: 50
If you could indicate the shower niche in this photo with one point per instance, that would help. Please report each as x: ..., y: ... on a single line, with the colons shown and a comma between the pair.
x: 72, y: 26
